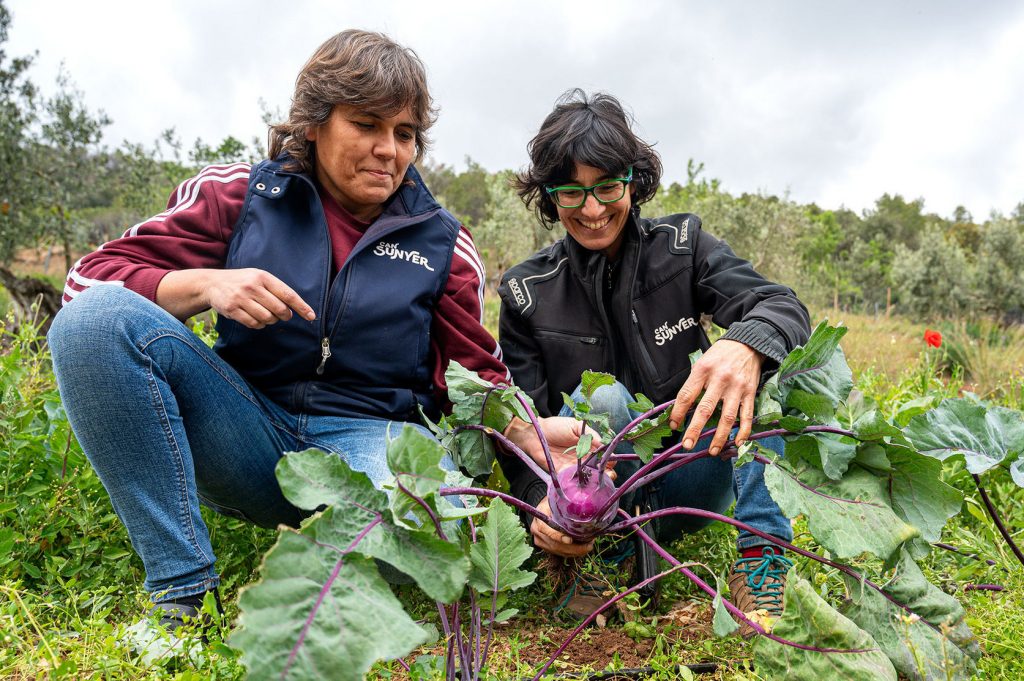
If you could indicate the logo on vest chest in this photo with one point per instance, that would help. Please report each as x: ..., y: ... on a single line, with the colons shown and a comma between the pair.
x: 395, y: 252
x: 666, y: 332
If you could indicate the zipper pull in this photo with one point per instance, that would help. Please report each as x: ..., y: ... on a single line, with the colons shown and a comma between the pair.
x: 325, y: 353
x: 633, y: 312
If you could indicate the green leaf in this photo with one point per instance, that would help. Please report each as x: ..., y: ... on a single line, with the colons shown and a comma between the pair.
x: 646, y: 436
x: 414, y: 460
x: 583, y: 446
x: 983, y: 435
x: 917, y: 650
x: 872, y: 455
x: 438, y: 567
x: 828, y: 451
x: 1017, y: 471
x: 912, y: 408
x: 848, y: 516
x: 918, y: 494
x: 723, y: 623
x: 592, y: 380
x: 476, y: 401
x: 767, y: 407
x: 810, y: 621
x: 324, y: 611
x: 815, y: 378
x: 642, y: 404
x: 314, y: 478
x: 499, y: 552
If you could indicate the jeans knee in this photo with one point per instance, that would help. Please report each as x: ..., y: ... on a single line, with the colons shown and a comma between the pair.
x: 99, y: 320
x: 612, y: 400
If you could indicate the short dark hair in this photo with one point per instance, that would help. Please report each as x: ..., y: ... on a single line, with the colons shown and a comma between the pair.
x: 362, y: 69
x: 592, y: 130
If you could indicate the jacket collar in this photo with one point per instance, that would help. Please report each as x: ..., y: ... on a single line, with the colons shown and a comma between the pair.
x: 412, y: 202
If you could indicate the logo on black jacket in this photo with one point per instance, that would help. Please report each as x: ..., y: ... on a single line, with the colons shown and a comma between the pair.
x: 393, y: 251
x: 517, y: 293
x: 665, y: 333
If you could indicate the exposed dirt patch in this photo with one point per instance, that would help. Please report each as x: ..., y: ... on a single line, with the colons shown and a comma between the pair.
x: 524, y: 645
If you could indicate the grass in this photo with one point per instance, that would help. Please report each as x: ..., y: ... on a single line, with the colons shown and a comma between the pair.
x: 69, y: 579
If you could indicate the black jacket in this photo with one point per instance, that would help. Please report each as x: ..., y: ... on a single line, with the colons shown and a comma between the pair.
x: 561, y: 316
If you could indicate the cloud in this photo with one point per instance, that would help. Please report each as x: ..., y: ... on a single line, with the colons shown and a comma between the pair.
x: 833, y: 103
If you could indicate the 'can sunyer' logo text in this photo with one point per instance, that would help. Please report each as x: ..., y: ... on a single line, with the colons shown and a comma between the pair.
x: 395, y: 253
x: 665, y: 333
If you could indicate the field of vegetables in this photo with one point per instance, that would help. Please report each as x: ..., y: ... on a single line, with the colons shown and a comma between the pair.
x: 69, y: 581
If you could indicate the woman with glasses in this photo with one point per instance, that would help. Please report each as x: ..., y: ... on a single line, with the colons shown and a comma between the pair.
x: 624, y: 294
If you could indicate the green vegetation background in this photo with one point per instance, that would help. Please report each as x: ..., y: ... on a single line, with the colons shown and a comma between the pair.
x: 68, y: 576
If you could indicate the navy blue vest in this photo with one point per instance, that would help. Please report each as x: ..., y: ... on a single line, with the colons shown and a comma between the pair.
x: 367, y: 353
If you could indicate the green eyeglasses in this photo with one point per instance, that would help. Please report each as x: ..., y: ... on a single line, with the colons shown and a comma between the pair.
x: 574, y: 196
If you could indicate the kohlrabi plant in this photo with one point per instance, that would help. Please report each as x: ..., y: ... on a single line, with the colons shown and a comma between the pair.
x: 871, y: 491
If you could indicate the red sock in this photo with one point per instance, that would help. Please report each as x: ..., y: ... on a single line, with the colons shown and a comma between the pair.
x: 755, y: 551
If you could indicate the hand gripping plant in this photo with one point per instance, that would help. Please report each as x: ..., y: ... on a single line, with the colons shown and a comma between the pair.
x: 869, y: 488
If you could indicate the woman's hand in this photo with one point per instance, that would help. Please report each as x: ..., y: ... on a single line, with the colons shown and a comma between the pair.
x: 254, y: 298
x: 562, y: 433
x: 728, y: 373
x: 551, y: 540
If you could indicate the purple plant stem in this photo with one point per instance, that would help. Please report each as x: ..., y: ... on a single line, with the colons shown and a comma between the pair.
x: 974, y: 556
x: 449, y: 652
x: 477, y: 662
x: 425, y: 506
x: 460, y: 645
x: 607, y: 604
x: 324, y: 590
x: 543, y: 439
x: 684, y: 510
x: 736, y: 612
x: 512, y: 447
x: 507, y: 498
x: 984, y: 587
x: 403, y: 664
x: 994, y: 514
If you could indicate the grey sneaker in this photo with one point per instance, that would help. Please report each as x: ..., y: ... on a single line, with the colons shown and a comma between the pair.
x: 170, y: 631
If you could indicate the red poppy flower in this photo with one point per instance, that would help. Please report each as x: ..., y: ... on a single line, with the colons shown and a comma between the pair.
x: 932, y: 338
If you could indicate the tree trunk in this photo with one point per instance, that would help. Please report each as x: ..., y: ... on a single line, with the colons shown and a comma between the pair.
x: 34, y: 301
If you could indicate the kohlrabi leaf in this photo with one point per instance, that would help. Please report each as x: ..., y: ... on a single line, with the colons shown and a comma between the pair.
x: 314, y: 478
x: 414, y: 460
x: 641, y: 404
x: 872, y: 455
x: 815, y: 378
x: 478, y: 402
x: 912, y: 408
x: 316, y: 613
x: 592, y: 380
x: 984, y: 435
x: 723, y: 623
x: 848, y: 517
x: 1017, y: 471
x: 766, y: 406
x: 647, y: 435
x: 827, y: 451
x: 499, y: 552
x: 438, y: 567
x: 810, y: 621
x: 921, y: 652
x: 918, y: 495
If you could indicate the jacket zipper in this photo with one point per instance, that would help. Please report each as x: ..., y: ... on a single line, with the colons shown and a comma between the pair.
x: 325, y: 354
x: 645, y: 355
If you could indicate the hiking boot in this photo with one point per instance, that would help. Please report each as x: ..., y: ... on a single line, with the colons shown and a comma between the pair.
x: 582, y: 598
x: 756, y: 586
x: 171, y: 630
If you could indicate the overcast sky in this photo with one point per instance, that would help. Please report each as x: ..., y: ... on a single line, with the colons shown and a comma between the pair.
x: 833, y: 102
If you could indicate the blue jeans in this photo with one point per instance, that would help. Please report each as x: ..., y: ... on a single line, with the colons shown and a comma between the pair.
x: 168, y: 425
x: 709, y: 484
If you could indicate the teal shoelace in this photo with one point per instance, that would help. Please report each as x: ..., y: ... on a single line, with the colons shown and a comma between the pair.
x: 765, y: 578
